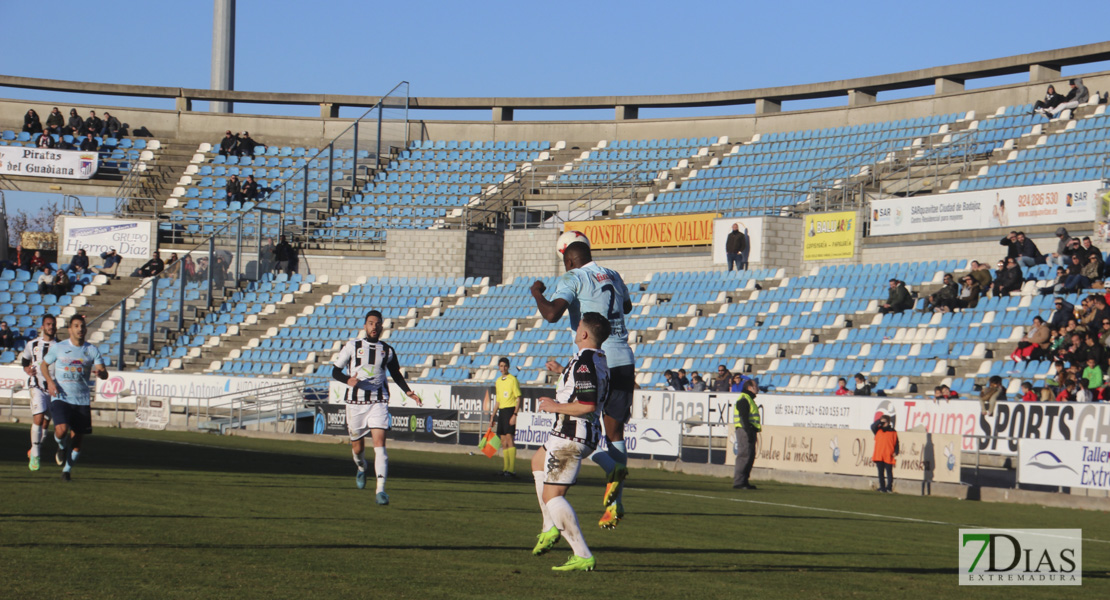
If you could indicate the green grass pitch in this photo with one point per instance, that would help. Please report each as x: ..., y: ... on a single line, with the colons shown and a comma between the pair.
x: 179, y: 515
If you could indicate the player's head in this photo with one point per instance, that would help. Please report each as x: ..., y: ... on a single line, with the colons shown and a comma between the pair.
x: 577, y: 255
x: 77, y: 329
x: 593, y: 330
x: 373, y: 325
x: 49, y: 327
x: 503, y: 365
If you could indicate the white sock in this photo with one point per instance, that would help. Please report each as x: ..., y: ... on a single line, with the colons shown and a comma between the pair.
x: 381, y: 467
x: 360, y: 459
x: 36, y: 439
x: 547, y: 522
x: 567, y: 522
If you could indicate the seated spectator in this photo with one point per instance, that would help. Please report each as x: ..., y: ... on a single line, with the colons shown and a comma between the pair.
x: 863, y: 388
x: 1013, y: 247
x: 45, y: 140
x: 173, y: 267
x: 1073, y: 351
x: 673, y: 383
x: 1087, y: 249
x: 1063, y: 313
x: 1067, y: 392
x: 1008, y: 278
x: 737, y: 384
x: 943, y: 299
x: 1051, y: 100
x: 229, y: 144
x: 93, y: 124
x: 31, y: 123
x: 948, y: 393
x: 1094, y: 351
x: 1092, y: 269
x: 7, y: 336
x: 1076, y: 96
x: 89, y: 144
x: 111, y: 127
x: 981, y: 273
x: 1033, y: 344
x: 55, y: 122
x: 723, y: 381
x: 151, y: 267
x: 234, y: 189
x: 37, y: 261
x: 45, y: 280
x: 992, y: 395
x: 250, y: 188
x: 19, y: 258
x: 75, y: 125
x: 842, y: 387
x: 898, y: 299
x: 969, y: 294
x: 1027, y: 393
x: 1028, y: 254
x: 1074, y: 280
x: 79, y: 263
x: 683, y: 379
x: 696, y: 383
x: 1058, y: 257
x: 246, y: 145
x: 61, y: 284
x: 111, y: 264
x: 1083, y: 391
x: 1057, y: 284
x: 202, y: 268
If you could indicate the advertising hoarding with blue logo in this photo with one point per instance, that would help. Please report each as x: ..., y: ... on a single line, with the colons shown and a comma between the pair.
x: 1064, y: 464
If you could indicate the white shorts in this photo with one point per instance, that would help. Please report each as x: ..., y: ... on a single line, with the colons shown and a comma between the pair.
x: 40, y: 402
x: 361, y: 418
x: 564, y: 458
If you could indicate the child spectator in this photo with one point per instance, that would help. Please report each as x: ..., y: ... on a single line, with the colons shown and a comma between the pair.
x: 1067, y: 394
x: 1093, y: 373
x: 1027, y: 393
x: 842, y: 387
x: 886, y: 448
x: 948, y: 393
x: 737, y: 383
x: 1083, y: 391
x: 863, y: 388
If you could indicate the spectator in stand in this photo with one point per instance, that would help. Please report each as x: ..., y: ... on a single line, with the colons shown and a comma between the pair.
x: 284, y: 255
x: 842, y: 387
x: 75, y: 125
x: 89, y: 144
x: 1013, y: 248
x: 45, y: 140
x: 696, y: 383
x: 886, y: 448
x: 55, y: 122
x: 246, y: 145
x: 1076, y: 96
x: 737, y: 383
x: 683, y: 379
x: 1092, y: 269
x: 45, y: 280
x: 202, y: 268
x: 1093, y: 373
x: 234, y: 189
x: 944, y: 299
x: 7, y: 336
x: 673, y: 382
x: 173, y: 267
x: 1094, y: 351
x: 948, y: 393
x: 736, y: 244
x: 151, y: 267
x: 93, y: 124
x: 992, y: 395
x: 1083, y: 391
x: 250, y: 188
x: 1074, y: 351
x: 31, y: 123
x: 112, y: 261
x: 863, y: 388
x: 1027, y: 393
x: 1099, y: 312
x: 188, y: 269
x: 1057, y: 284
x: 1030, y: 255
x: 1104, y: 332
x: 111, y: 127
x: 266, y: 256
x: 897, y: 300
x: 1068, y: 393
x: 1051, y: 100
x: 79, y: 263
x: 1058, y: 257
x: 1063, y: 313
x: 61, y: 284
x: 723, y: 381
x: 1008, y: 279
x: 1074, y: 279
x: 228, y: 144
x: 969, y: 294
x: 219, y: 271
x: 20, y: 260
x: 1033, y: 344
x: 1091, y: 251
x: 981, y: 273
x: 37, y: 261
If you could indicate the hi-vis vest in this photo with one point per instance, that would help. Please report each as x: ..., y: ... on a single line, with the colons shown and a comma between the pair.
x: 753, y: 413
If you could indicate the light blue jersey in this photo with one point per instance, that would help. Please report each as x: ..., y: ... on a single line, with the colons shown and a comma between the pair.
x: 593, y: 288
x: 72, y: 369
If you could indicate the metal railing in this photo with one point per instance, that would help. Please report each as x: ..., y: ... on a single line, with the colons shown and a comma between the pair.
x: 272, y: 404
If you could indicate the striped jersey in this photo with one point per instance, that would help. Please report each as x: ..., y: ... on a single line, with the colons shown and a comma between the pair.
x: 585, y: 379
x: 33, y: 353
x: 368, y: 361
x: 593, y: 288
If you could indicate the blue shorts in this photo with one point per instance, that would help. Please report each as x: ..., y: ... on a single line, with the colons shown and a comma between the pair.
x: 77, y: 418
x: 622, y: 383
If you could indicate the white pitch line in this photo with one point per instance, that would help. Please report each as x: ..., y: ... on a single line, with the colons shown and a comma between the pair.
x: 846, y: 512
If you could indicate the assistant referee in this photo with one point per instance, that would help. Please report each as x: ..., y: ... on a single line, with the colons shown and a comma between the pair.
x: 508, y: 400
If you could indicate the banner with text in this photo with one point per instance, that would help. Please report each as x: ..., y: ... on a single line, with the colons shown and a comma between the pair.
x: 10, y: 377
x: 830, y: 236
x: 643, y: 438
x: 649, y: 232
x: 130, y: 238
x: 1064, y: 464
x: 424, y: 425
x: 47, y: 162
x: 986, y: 209
x: 180, y: 389
x: 152, y: 413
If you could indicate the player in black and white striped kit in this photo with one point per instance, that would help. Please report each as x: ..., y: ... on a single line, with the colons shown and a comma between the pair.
x: 31, y: 359
x: 361, y: 365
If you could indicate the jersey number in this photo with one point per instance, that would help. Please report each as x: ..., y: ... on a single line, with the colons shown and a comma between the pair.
x: 613, y: 313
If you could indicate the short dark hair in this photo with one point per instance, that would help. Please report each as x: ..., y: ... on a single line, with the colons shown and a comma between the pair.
x: 503, y: 360
x: 597, y: 325
x: 48, y: 316
x: 373, y: 313
x: 580, y: 251
x: 860, y: 377
x: 77, y: 318
x: 995, y: 379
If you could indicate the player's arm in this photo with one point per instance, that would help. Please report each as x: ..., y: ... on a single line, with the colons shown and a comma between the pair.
x: 573, y: 408
x: 395, y: 372
x: 585, y: 392
x: 25, y: 360
x: 550, y: 310
x: 101, y: 372
x: 51, y: 385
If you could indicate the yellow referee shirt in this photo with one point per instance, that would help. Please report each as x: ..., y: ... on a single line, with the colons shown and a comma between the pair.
x: 508, y: 391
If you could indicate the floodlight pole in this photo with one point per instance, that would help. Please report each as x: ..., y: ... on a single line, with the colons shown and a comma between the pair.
x: 223, y: 52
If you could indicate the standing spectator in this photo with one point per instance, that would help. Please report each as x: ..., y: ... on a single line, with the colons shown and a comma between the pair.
x: 991, y: 395
x: 228, y: 144
x: 74, y: 125
x: 111, y: 264
x: 842, y: 387
x: 151, y: 267
x: 219, y: 271
x: 1008, y: 279
x: 45, y: 140
x: 246, y: 145
x: 188, y: 269
x: 736, y: 245
x: 89, y: 144
x: 863, y: 388
x: 93, y: 124
x: 234, y: 189
x: 945, y: 298
x: 1051, y: 100
x: 672, y: 381
x: 173, y: 267
x: 745, y: 417
x: 55, y: 122
x: 111, y: 127
x: 31, y: 123
x: 897, y: 300
x: 697, y: 384
x: 1076, y: 96
x: 284, y: 255
x: 37, y: 261
x: 250, y: 188
x: 7, y: 336
x: 1057, y: 257
x: 886, y: 448
x: 202, y: 268
x: 266, y: 256
x: 79, y: 263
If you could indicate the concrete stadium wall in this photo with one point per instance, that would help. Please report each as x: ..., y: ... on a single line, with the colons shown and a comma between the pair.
x: 408, y: 253
x: 530, y: 253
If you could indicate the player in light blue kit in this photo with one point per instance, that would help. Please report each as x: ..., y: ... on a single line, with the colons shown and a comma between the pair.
x: 589, y: 287
x: 68, y: 377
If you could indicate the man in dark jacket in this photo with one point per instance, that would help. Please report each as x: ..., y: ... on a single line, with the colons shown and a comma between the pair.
x: 736, y: 245
x: 55, y: 122
x: 89, y: 144
x: 93, y: 124
x: 250, y: 188
x: 284, y: 255
x: 80, y: 262
x: 228, y: 144
x: 246, y: 145
x: 1029, y: 255
x: 1008, y: 278
x: 1013, y: 247
x: 945, y: 297
x: 897, y: 300
x: 1078, y: 95
x: 1061, y: 314
x: 111, y: 127
x: 721, y: 383
x: 234, y: 189
x: 152, y: 267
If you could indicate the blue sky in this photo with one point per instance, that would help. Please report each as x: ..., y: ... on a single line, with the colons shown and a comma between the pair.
x: 567, y: 48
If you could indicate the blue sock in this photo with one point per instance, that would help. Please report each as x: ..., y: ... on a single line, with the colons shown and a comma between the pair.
x: 69, y: 463
x: 617, y: 451
x: 603, y: 460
